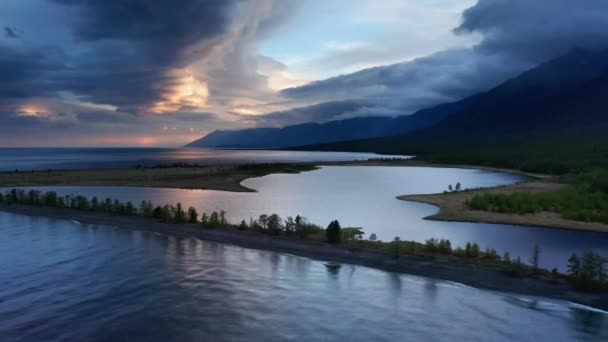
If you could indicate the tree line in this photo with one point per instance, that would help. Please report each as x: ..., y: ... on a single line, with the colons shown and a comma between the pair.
x: 588, y: 272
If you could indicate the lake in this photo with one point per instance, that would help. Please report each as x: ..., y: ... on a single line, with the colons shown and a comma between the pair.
x: 104, y: 158
x: 364, y: 196
x: 63, y: 281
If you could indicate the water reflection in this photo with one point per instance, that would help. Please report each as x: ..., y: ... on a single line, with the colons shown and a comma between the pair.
x: 65, y: 281
x: 365, y: 197
x: 588, y: 323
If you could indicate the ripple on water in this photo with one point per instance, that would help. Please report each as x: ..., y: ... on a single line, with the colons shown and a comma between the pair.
x: 64, y: 281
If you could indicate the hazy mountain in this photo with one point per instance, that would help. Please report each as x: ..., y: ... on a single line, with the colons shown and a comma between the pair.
x: 565, y: 95
x: 340, y: 130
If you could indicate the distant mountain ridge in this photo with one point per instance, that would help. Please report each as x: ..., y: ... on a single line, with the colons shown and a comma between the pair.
x: 339, y: 130
x: 556, y: 111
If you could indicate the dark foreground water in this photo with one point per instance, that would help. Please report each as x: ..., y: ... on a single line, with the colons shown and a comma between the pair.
x: 365, y: 196
x: 62, y: 281
x: 103, y: 158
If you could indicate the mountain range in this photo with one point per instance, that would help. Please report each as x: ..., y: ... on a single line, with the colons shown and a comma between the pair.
x: 333, y: 131
x: 556, y: 110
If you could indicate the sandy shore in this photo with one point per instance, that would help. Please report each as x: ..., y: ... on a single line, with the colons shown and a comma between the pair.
x: 466, y: 273
x: 452, y: 207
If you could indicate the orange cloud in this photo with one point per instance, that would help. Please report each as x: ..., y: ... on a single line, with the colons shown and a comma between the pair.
x: 34, y: 110
x: 185, y: 92
x: 131, y: 141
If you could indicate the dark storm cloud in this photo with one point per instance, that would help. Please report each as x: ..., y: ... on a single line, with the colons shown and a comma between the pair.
x: 25, y: 73
x: 403, y: 88
x: 322, y: 112
x: 515, y: 35
x: 135, y: 46
x: 537, y: 30
x: 10, y: 32
x: 160, y: 28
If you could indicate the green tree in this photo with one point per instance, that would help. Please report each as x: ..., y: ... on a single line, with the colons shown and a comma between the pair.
x: 223, y: 222
x: 243, y: 225
x: 51, y: 199
x: 82, y: 203
x: 274, y: 224
x: 373, y: 237
x: 458, y: 187
x: 301, y: 226
x: 157, y: 213
x: 289, y: 225
x: 214, y: 219
x: 130, y: 209
x: 205, y: 219
x: 192, y: 215
x: 535, y: 258
x: 475, y: 250
x: 334, y: 232
x: 396, y: 248
x: 506, y: 257
x: 431, y: 246
x: 166, y: 214
x: 180, y: 214
x: 445, y: 247
x: 263, y: 220
x: 95, y: 203
x: 574, y: 266
x: 146, y: 209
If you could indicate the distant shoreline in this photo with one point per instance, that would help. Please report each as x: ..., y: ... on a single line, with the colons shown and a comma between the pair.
x: 452, y: 207
x: 229, y: 178
x: 475, y: 275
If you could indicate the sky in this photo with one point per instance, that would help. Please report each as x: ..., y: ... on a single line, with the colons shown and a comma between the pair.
x: 165, y: 72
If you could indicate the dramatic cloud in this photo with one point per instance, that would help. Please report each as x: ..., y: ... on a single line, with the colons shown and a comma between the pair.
x: 534, y: 31
x: 125, y: 61
x: 135, y: 72
x: 515, y: 35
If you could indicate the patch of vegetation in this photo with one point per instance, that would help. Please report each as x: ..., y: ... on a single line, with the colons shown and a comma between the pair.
x: 588, y: 273
x: 586, y: 200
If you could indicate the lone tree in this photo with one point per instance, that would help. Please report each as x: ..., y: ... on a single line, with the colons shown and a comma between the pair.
x: 396, y: 248
x: 192, y: 215
x: 334, y: 232
x: 534, y: 260
x: 574, y: 266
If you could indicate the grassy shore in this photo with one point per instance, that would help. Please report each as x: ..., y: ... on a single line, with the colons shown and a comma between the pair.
x: 225, y: 177
x: 453, y: 207
x: 478, y: 273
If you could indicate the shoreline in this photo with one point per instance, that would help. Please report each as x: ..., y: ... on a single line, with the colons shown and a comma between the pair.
x: 451, y: 205
x: 452, y: 208
x: 470, y: 274
x: 215, y: 177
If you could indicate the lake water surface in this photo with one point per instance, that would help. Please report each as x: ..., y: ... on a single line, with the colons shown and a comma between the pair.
x: 104, y: 158
x: 364, y: 196
x: 62, y: 281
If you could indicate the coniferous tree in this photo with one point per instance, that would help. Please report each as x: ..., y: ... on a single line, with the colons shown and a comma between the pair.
x: 334, y: 232
x: 192, y: 215
x: 535, y: 259
x: 506, y: 257
x: 574, y: 266
x: 180, y: 214
x: 396, y: 247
